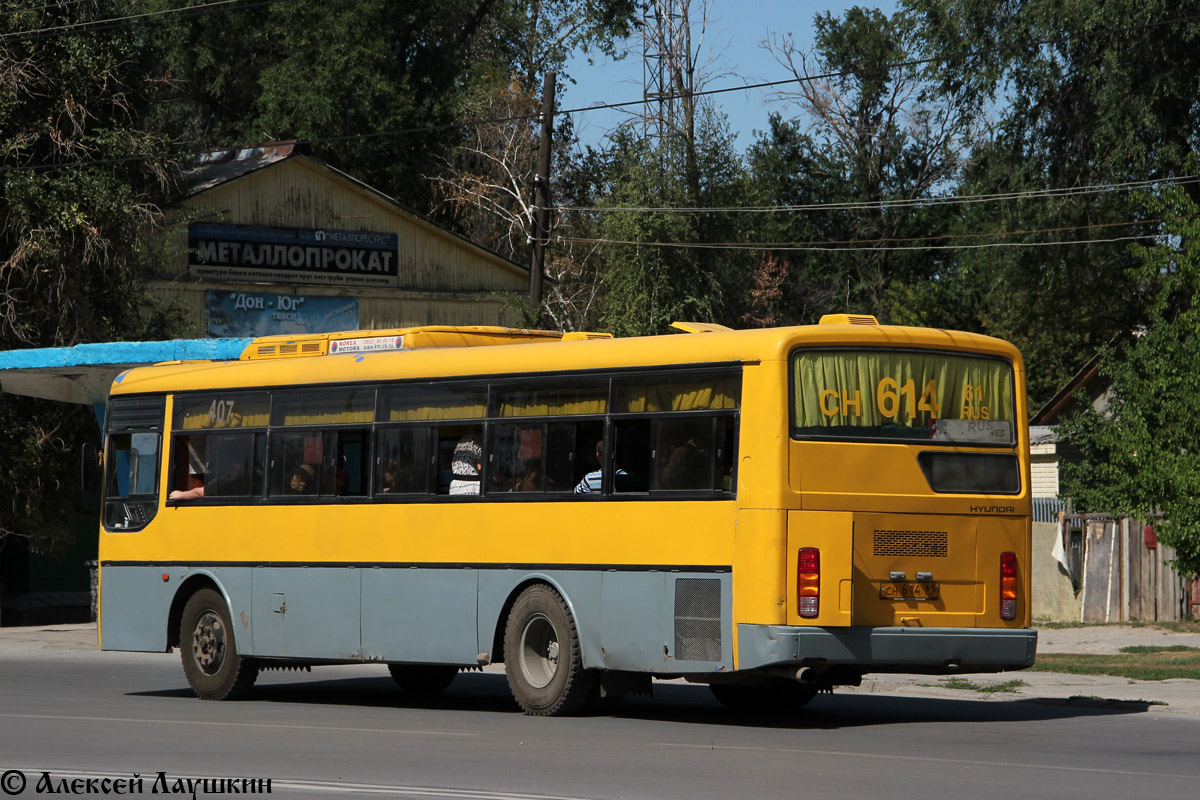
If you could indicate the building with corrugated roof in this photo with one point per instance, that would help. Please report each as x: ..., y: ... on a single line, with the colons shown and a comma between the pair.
x: 270, y: 240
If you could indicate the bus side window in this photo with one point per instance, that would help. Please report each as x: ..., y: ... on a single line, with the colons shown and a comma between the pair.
x: 631, y: 458
x: 295, y: 463
x: 570, y: 453
x: 345, y: 474
x: 222, y: 464
x: 683, y: 455
x: 404, y: 461
x: 464, y: 478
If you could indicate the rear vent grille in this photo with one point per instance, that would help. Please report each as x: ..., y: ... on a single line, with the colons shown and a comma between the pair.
x: 311, y: 347
x: 697, y: 619
x: 927, y: 544
x: 266, y: 350
x: 287, y: 349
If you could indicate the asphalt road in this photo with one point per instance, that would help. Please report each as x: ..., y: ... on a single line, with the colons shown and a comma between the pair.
x: 346, y: 731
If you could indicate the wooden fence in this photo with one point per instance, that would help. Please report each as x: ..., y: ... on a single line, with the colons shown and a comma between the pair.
x: 1123, y: 570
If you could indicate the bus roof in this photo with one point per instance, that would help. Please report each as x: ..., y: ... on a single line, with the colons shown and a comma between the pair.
x: 447, y: 352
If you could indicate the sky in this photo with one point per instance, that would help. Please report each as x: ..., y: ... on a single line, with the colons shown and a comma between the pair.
x: 736, y: 33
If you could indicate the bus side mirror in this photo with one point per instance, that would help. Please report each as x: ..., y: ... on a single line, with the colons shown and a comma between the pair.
x: 89, y: 467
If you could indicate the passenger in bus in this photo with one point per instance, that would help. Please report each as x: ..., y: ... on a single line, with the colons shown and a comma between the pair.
x: 465, y: 465
x: 683, y: 465
x: 302, y: 480
x: 532, y: 480
x: 594, y: 480
x: 183, y: 495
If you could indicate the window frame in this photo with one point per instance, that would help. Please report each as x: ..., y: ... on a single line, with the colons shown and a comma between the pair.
x: 793, y: 428
x: 492, y: 388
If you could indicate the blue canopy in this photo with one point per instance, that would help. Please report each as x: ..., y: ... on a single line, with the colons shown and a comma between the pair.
x: 83, y: 373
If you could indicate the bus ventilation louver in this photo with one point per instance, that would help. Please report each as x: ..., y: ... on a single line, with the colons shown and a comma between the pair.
x: 925, y: 544
x: 267, y: 350
x: 848, y: 319
x: 136, y: 413
x: 697, y: 619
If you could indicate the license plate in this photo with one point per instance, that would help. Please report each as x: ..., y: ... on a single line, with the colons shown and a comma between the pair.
x: 909, y: 590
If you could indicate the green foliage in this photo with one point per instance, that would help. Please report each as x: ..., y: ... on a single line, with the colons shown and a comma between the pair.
x: 874, y: 134
x: 309, y: 69
x: 75, y: 243
x: 648, y: 286
x: 1074, y: 94
x: 39, y: 470
x: 1140, y: 454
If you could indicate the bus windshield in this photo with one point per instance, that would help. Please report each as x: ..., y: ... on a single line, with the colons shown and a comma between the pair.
x: 902, y: 395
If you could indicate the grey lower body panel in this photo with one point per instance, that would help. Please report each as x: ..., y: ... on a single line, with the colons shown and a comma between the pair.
x: 924, y: 650
x: 657, y: 620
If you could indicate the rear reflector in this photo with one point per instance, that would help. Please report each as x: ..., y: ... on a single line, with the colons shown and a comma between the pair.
x: 1008, y: 586
x: 808, y: 582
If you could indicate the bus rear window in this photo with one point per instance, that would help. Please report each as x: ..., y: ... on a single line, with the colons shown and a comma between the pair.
x: 902, y: 395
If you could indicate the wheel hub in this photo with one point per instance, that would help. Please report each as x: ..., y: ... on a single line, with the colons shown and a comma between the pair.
x: 208, y: 643
x: 539, y: 651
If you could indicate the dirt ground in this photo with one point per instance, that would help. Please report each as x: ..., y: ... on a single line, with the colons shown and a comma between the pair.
x: 1109, y: 639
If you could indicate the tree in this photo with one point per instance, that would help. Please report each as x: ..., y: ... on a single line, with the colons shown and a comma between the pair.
x: 1079, y: 94
x: 873, y: 132
x: 654, y: 234
x: 75, y: 241
x: 1142, y: 455
x: 355, y: 71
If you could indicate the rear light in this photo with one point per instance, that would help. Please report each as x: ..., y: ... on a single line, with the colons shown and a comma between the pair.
x: 808, y: 582
x: 1008, y: 586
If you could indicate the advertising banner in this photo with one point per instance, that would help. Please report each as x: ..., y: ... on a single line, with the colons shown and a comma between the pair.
x: 256, y: 253
x: 235, y: 314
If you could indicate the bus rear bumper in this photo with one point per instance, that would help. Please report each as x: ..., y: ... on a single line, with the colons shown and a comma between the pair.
x: 866, y: 649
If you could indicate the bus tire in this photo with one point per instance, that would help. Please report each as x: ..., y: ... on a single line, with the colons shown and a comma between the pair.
x: 770, y: 700
x: 211, y: 662
x: 422, y: 678
x: 542, y: 657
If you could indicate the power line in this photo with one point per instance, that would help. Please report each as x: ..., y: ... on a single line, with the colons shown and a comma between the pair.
x: 884, y: 240
x: 902, y: 203
x: 915, y: 62
x: 181, y: 12
x: 825, y: 249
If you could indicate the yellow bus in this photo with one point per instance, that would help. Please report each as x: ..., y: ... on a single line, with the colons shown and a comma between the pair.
x: 771, y: 512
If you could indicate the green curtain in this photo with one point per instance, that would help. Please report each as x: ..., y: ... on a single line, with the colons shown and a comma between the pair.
x: 877, y: 389
x: 419, y: 404
x: 696, y: 395
x: 326, y: 408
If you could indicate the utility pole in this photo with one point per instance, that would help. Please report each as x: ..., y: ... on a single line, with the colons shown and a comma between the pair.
x: 541, y: 202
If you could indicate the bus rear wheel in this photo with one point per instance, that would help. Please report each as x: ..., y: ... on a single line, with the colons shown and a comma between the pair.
x: 211, y: 662
x: 768, y: 700
x: 541, y: 655
x: 422, y: 678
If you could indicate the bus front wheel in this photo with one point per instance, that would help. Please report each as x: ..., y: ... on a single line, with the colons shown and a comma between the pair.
x: 211, y: 662
x: 541, y: 655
